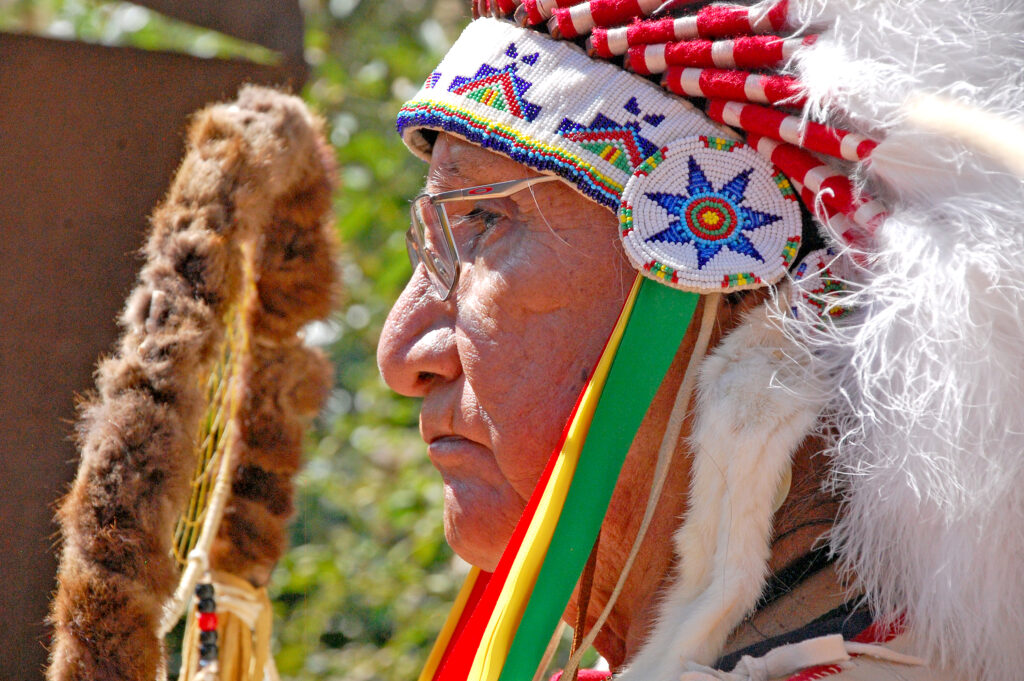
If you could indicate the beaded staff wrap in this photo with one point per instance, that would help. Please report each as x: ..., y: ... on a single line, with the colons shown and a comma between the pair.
x: 209, y: 375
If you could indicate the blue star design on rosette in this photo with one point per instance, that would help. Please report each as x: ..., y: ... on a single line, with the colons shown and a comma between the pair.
x: 711, y: 219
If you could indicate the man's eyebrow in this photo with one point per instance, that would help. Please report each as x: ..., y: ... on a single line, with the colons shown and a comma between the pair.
x: 444, y: 176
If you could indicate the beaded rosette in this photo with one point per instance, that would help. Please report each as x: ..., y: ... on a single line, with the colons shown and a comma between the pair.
x: 546, y: 104
x: 708, y: 214
x: 822, y: 280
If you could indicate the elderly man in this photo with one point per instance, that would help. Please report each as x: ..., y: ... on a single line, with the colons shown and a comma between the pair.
x: 555, y: 177
x: 512, y: 324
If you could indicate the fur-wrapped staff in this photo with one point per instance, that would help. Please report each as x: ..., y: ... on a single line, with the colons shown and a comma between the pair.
x: 189, y: 445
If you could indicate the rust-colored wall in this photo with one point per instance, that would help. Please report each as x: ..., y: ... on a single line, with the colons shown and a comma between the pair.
x: 89, y: 138
x: 277, y: 25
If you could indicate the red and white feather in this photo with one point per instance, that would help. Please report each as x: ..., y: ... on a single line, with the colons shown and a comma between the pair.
x: 714, y: 21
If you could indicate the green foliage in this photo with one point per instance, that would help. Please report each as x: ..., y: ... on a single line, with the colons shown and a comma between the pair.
x: 369, y: 579
x: 122, y: 23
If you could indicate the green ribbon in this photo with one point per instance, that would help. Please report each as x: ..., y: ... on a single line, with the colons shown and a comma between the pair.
x: 660, y: 318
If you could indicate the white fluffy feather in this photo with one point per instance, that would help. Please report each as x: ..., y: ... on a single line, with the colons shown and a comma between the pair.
x: 930, y: 369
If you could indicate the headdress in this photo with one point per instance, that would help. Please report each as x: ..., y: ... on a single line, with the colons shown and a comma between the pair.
x: 881, y: 329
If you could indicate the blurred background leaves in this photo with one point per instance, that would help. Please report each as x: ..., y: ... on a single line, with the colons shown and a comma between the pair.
x: 369, y: 578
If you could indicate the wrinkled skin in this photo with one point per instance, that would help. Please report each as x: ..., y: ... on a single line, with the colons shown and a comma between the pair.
x: 500, y: 364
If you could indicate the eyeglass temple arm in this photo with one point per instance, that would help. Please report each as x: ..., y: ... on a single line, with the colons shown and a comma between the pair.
x: 492, y: 191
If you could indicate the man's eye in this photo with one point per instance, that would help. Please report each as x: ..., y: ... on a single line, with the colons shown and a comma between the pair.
x: 484, y: 218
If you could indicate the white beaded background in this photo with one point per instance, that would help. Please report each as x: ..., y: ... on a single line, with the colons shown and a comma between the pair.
x: 762, y: 194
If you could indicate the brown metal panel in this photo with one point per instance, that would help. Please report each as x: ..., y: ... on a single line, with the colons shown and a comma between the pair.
x: 89, y: 139
x: 277, y: 25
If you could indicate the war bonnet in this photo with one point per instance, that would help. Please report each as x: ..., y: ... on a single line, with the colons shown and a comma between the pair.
x: 705, y: 129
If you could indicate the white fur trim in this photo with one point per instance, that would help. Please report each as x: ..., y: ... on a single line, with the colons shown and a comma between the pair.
x: 756, y: 403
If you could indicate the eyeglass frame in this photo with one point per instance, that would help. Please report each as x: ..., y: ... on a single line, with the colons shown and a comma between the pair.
x: 418, y: 250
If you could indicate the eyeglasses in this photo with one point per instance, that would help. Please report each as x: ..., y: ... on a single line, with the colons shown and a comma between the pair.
x: 429, y: 239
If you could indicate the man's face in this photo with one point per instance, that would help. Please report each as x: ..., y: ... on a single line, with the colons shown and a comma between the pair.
x: 500, y: 364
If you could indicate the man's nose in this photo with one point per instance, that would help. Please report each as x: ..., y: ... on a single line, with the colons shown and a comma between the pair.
x: 417, y: 346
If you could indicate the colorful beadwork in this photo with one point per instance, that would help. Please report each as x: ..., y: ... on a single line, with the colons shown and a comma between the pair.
x: 500, y: 88
x: 820, y: 282
x: 711, y: 214
x: 206, y: 618
x: 512, y: 143
x: 544, y: 103
x: 711, y: 219
x: 516, y: 103
x: 620, y: 144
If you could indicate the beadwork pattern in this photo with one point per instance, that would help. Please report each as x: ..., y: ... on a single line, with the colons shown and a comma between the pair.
x: 620, y: 144
x: 515, y: 102
x: 500, y: 88
x: 510, y: 142
x: 431, y: 80
x: 706, y: 214
x: 820, y: 281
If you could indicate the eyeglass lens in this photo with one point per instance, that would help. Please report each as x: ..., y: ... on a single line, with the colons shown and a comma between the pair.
x: 428, y: 243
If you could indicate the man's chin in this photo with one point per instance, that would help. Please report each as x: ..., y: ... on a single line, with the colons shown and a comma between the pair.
x: 479, y: 521
x: 475, y: 542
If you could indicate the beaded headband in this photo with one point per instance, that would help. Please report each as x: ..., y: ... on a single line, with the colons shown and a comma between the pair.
x: 728, y: 55
x: 698, y: 210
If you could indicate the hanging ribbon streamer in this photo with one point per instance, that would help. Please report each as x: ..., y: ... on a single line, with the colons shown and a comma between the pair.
x: 502, y: 622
